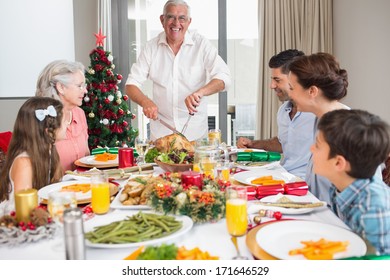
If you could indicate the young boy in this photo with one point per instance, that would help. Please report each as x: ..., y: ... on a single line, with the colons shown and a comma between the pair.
x: 349, y: 147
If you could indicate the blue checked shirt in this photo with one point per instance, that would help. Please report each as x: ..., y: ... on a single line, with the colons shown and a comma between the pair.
x: 365, y: 207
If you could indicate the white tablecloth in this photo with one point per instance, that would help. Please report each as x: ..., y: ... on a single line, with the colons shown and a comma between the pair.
x: 211, y: 237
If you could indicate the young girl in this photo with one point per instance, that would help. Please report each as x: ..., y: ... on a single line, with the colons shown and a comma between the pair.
x: 32, y: 160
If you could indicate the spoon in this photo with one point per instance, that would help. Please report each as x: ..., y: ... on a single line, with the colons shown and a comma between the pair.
x: 238, y: 257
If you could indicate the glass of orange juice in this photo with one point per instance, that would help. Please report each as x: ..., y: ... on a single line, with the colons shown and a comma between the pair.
x: 236, y: 214
x: 100, y: 189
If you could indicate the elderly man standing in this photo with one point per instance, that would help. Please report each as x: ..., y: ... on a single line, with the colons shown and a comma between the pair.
x: 295, y: 129
x: 184, y: 68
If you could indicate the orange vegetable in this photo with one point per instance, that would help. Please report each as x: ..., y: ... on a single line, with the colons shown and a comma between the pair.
x: 194, y: 254
x: 105, y: 157
x: 76, y: 188
x: 135, y: 254
x: 320, y: 250
x: 266, y: 181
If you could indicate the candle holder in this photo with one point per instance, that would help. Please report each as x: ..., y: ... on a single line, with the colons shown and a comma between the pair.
x: 192, y: 178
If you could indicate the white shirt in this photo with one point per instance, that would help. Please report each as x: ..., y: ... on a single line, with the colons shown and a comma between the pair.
x: 176, y: 77
x: 296, y: 137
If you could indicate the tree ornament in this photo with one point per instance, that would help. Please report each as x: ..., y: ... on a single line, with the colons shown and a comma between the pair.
x: 107, y: 101
x: 110, y: 97
x: 118, y: 101
x: 125, y: 97
x: 110, y: 57
x: 113, y: 66
x: 119, y: 94
x: 86, y: 99
x: 105, y: 121
x: 120, y: 112
x: 91, y: 71
x: 119, y: 77
x: 91, y: 115
x: 99, y: 38
x: 125, y: 123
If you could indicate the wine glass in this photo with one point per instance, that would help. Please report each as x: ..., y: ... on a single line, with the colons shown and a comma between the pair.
x: 141, y: 145
x: 236, y: 215
x: 57, y: 202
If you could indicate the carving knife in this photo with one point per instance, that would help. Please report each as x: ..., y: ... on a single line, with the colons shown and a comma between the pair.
x: 168, y: 126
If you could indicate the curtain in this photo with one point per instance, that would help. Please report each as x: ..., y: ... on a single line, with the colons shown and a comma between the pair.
x: 288, y: 24
x: 104, y: 22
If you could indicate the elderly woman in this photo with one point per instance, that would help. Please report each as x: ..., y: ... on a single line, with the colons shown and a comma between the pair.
x: 65, y: 81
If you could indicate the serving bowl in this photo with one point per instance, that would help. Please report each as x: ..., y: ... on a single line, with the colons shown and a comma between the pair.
x: 173, y: 167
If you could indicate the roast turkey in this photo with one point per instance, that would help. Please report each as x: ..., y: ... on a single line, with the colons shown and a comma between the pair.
x: 173, y: 142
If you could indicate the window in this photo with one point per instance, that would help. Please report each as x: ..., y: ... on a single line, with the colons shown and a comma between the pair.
x: 242, y: 44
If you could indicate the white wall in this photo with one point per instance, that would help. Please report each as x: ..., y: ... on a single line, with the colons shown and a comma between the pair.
x: 362, y: 45
x: 33, y: 33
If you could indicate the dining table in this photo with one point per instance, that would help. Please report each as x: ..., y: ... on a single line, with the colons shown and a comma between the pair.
x: 212, y: 237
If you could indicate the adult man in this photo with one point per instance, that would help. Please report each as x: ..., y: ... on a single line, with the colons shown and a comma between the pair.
x: 295, y: 129
x: 184, y: 67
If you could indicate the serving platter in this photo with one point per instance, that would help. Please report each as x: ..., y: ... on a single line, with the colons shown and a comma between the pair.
x: 122, y: 215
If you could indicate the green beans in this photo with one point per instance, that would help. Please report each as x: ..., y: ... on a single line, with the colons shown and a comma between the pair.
x: 137, y: 228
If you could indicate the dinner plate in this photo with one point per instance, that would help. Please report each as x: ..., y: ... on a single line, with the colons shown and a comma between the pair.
x: 246, y: 177
x: 90, y: 160
x: 43, y: 193
x: 254, y: 207
x: 278, y: 239
x: 116, y: 204
x: 121, y: 215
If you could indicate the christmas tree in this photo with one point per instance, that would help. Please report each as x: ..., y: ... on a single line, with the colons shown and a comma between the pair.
x: 106, y: 109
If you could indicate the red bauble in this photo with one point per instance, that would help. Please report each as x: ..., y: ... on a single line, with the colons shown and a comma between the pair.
x: 120, y: 112
x: 107, y: 101
x: 125, y: 123
x: 132, y: 116
x: 104, y: 90
x: 119, y: 77
x: 125, y: 97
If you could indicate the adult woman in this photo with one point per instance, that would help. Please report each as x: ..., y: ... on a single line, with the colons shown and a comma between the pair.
x: 65, y: 81
x: 32, y: 160
x: 317, y: 83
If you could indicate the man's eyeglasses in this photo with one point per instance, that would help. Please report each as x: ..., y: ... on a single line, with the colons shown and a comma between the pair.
x: 181, y: 19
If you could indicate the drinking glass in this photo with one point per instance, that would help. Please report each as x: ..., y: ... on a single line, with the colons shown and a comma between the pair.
x: 100, y: 189
x: 142, y: 146
x: 236, y: 214
x: 223, y: 170
x: 215, y: 136
x: 58, y: 201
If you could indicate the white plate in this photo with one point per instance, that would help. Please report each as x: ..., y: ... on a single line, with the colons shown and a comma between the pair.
x: 116, y: 204
x: 277, y: 239
x: 90, y: 160
x: 292, y: 211
x: 44, y: 192
x: 246, y: 177
x: 121, y: 215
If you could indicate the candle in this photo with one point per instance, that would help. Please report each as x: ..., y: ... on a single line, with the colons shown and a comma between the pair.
x: 192, y: 178
x: 25, y: 202
x: 126, y: 157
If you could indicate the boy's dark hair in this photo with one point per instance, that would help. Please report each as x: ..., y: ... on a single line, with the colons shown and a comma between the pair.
x: 362, y: 138
x: 282, y: 58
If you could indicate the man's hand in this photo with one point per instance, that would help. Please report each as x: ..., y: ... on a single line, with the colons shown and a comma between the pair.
x: 192, y: 101
x: 244, y: 143
x: 150, y: 109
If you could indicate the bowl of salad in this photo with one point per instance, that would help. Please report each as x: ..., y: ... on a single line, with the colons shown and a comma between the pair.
x: 175, y: 161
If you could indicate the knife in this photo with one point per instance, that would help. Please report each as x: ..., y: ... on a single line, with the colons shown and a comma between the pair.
x: 167, y: 125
